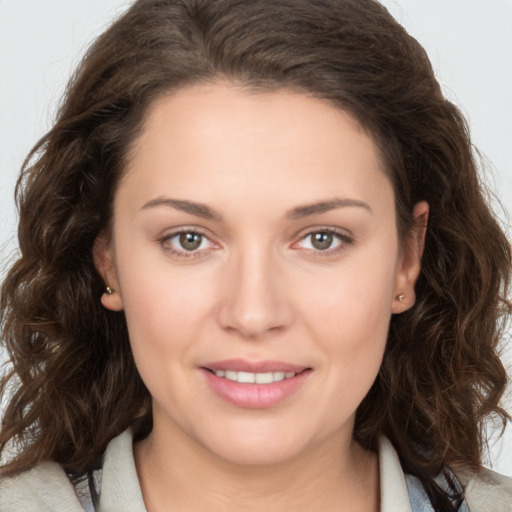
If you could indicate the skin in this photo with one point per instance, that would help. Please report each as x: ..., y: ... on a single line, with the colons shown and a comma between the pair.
x: 257, y: 288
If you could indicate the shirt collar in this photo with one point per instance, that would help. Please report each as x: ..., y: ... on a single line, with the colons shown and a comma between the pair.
x: 120, y: 488
x: 393, y: 487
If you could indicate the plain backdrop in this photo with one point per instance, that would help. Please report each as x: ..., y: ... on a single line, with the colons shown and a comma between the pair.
x: 468, y: 41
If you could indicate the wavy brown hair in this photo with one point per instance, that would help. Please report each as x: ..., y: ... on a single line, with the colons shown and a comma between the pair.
x: 72, y: 384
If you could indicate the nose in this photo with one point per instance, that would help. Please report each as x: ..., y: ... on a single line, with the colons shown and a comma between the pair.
x: 254, y: 296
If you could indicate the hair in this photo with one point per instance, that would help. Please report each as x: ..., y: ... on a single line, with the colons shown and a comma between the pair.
x: 72, y: 384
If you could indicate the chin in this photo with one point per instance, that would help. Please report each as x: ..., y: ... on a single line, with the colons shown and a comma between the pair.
x: 252, y: 456
x: 255, y: 450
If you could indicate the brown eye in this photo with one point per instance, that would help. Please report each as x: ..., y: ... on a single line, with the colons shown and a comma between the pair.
x: 188, y: 244
x: 190, y: 241
x: 326, y: 241
x: 322, y: 240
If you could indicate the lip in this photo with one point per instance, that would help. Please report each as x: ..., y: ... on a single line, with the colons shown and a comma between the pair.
x: 254, y: 396
x: 241, y: 365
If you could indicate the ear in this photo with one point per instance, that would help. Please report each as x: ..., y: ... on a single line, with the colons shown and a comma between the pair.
x: 410, y: 262
x: 104, y: 262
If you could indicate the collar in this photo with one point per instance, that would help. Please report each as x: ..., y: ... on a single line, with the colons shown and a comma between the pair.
x: 120, y: 488
x: 394, y: 494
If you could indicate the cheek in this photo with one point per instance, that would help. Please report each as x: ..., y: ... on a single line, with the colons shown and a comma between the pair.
x: 165, y: 309
x: 353, y: 300
x: 352, y: 331
x: 348, y: 314
x: 351, y: 335
x: 165, y: 313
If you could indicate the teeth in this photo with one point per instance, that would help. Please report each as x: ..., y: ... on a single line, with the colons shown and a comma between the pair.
x: 246, y: 377
x: 231, y: 375
x: 264, y: 378
x: 254, y: 378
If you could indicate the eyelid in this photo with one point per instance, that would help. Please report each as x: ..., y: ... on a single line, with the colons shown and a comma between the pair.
x: 346, y: 239
x: 344, y: 235
x: 184, y: 253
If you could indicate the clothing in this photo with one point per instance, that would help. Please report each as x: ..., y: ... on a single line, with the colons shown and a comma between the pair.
x: 47, y: 488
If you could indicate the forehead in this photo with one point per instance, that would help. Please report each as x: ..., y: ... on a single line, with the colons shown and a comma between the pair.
x: 209, y: 140
x: 236, y: 110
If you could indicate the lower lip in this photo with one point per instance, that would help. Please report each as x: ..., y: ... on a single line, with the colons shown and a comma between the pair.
x: 255, y: 396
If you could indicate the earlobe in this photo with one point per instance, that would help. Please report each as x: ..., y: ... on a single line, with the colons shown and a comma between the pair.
x: 410, y: 264
x: 104, y: 262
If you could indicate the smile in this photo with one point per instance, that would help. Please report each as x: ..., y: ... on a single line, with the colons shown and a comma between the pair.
x: 255, y: 385
x: 254, y: 378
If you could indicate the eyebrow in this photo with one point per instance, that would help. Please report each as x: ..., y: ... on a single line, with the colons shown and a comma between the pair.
x: 324, y: 206
x: 205, y: 212
x: 197, y: 209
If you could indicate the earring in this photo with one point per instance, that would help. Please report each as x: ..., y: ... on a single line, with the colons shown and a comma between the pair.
x: 109, y: 290
x: 401, y: 297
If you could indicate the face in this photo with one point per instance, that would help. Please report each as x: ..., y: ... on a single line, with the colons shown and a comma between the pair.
x: 255, y: 253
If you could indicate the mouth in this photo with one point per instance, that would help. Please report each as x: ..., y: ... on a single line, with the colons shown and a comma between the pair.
x: 255, y: 385
x: 252, y: 377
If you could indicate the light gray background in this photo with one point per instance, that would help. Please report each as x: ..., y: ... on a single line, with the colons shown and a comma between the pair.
x: 469, y: 43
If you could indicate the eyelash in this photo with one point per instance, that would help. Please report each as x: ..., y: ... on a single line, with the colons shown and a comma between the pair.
x: 344, y: 241
x: 182, y: 253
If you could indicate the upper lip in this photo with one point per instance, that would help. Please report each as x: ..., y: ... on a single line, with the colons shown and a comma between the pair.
x: 241, y: 365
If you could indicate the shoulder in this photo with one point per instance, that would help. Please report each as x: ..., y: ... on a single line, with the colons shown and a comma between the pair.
x: 484, y: 490
x: 487, y: 490
x: 47, y: 488
x: 44, y: 488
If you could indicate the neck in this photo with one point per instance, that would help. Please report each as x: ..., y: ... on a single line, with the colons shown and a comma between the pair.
x: 335, y: 475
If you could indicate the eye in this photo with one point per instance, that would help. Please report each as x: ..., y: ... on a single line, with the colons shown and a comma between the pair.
x: 187, y: 243
x: 323, y: 240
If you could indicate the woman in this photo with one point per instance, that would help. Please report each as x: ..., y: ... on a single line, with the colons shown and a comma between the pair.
x: 257, y: 271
